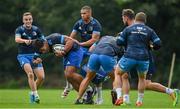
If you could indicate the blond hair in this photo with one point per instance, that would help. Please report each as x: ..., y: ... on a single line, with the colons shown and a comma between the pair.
x: 86, y: 8
x: 141, y: 16
x: 27, y: 13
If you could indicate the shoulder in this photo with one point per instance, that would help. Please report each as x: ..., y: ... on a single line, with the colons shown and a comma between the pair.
x: 149, y: 28
x: 20, y: 28
x: 79, y: 22
x: 35, y: 27
x: 53, y: 35
x: 95, y: 21
x: 131, y: 27
x: 107, y: 37
x: 128, y: 28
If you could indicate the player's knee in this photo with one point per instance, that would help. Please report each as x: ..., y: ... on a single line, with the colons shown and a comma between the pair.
x: 148, y: 84
x: 125, y: 76
x: 112, y: 76
x: 30, y: 75
x: 41, y: 78
x: 69, y: 72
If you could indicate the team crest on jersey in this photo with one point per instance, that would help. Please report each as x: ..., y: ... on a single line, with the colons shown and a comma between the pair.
x: 90, y: 28
x: 80, y: 28
x: 34, y: 33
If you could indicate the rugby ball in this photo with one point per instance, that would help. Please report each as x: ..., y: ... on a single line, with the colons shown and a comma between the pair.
x: 58, y: 47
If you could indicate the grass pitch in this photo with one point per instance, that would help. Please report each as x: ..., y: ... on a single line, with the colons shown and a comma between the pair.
x: 50, y: 98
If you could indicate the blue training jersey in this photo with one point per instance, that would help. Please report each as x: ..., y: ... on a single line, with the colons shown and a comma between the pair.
x: 137, y: 38
x: 107, y: 46
x: 30, y: 34
x: 57, y: 38
x: 86, y: 30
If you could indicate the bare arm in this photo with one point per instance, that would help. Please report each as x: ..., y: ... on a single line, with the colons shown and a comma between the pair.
x: 73, y: 35
x: 69, y: 44
x: 95, y: 37
x: 92, y: 48
x: 20, y: 40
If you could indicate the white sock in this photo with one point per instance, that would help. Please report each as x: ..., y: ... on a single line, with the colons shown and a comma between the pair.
x: 126, y: 98
x: 99, y: 92
x: 169, y: 91
x: 35, y: 93
x: 68, y: 85
x: 119, y: 92
x: 140, y: 97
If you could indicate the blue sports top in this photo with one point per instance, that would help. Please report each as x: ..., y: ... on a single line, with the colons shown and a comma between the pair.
x: 86, y: 30
x: 107, y: 46
x: 137, y: 39
x: 56, y: 38
x: 30, y: 34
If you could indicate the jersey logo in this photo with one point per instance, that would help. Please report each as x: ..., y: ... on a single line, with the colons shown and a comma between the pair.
x: 68, y: 62
x: 34, y: 33
x: 139, y: 28
x: 80, y: 28
x: 90, y: 28
x: 24, y: 34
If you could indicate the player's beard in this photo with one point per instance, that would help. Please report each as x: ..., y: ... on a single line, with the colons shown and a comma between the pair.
x: 126, y: 24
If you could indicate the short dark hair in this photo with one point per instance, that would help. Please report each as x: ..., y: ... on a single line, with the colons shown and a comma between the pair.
x: 141, y: 16
x: 38, y: 44
x: 129, y: 13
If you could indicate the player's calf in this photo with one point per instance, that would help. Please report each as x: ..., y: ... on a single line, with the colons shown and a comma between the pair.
x: 113, y: 96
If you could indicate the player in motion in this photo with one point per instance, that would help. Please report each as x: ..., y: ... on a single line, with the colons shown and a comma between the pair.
x: 104, y: 55
x: 69, y: 50
x: 28, y: 56
x: 89, y: 29
x: 136, y: 38
x: 72, y: 54
x: 128, y: 19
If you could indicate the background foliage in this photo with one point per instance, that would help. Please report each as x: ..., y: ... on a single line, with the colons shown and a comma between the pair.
x: 60, y: 15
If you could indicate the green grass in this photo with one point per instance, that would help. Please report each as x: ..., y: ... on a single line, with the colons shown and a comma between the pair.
x: 19, y: 98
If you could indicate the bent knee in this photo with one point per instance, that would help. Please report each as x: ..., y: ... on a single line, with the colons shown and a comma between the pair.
x: 148, y: 84
x: 125, y: 76
x: 41, y: 78
x: 31, y: 75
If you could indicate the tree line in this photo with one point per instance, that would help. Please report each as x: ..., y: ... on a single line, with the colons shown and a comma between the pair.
x: 60, y: 15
